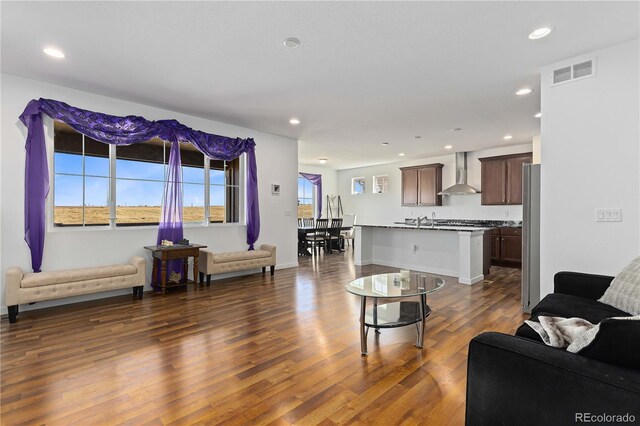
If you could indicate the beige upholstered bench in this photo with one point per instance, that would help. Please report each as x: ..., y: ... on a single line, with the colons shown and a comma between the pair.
x: 31, y: 287
x: 217, y: 263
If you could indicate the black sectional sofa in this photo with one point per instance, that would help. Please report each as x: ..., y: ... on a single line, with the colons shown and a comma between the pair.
x: 518, y: 380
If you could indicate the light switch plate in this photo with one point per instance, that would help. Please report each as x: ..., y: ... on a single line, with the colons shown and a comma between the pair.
x: 608, y: 215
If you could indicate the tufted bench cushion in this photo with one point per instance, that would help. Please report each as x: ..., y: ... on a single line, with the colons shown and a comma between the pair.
x: 30, y: 287
x: 218, y: 263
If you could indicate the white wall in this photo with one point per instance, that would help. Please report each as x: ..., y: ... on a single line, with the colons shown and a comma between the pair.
x: 385, y: 208
x: 277, y: 160
x: 591, y: 159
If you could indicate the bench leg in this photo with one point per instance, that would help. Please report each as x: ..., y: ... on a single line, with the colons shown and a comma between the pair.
x: 137, y: 291
x: 208, y: 280
x: 273, y: 269
x: 13, y: 313
x: 201, y: 275
x: 264, y: 269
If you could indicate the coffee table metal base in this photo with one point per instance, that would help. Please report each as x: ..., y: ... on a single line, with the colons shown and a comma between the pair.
x: 392, y: 315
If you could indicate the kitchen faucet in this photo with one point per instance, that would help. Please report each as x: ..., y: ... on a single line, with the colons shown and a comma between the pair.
x: 420, y: 219
x: 433, y: 219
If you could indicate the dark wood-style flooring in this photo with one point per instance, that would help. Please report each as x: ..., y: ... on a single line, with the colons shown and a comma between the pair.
x: 249, y: 350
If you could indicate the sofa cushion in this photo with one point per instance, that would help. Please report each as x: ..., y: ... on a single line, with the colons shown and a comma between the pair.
x: 567, y: 306
x: 39, y: 279
x: 624, y: 291
x: 240, y: 255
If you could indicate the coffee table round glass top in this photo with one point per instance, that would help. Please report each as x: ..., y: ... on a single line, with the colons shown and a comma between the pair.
x: 393, y: 285
x: 394, y: 314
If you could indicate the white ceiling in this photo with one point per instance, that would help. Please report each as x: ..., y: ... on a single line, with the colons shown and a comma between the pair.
x: 365, y: 72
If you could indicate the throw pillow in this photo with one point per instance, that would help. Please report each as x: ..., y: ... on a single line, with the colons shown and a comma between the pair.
x: 624, y: 291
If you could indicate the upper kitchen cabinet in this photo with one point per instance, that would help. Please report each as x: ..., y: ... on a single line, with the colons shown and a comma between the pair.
x: 501, y: 179
x: 421, y: 184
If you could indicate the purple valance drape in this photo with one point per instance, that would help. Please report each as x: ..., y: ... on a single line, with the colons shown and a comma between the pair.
x: 317, y: 181
x: 118, y: 131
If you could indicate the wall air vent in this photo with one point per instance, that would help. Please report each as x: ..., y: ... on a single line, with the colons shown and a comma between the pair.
x: 574, y: 72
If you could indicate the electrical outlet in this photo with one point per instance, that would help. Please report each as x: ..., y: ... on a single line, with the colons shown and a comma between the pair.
x: 287, y: 212
x: 414, y: 248
x: 608, y: 215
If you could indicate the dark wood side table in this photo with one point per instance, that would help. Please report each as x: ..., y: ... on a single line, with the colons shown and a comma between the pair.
x: 162, y: 254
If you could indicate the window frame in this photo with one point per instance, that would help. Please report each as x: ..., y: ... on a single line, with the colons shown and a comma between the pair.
x: 364, y: 185
x: 374, y: 184
x: 50, y: 202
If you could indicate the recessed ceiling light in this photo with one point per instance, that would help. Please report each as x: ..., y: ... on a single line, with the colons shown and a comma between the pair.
x: 417, y: 137
x: 53, y: 52
x: 456, y: 129
x: 538, y: 115
x: 524, y: 91
x: 322, y: 160
x: 294, y: 121
x: 540, y: 32
x: 385, y: 143
x: 401, y: 154
x: 507, y: 137
x: 291, y: 42
x: 448, y: 147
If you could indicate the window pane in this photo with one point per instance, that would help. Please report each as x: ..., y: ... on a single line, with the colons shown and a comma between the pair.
x: 308, y: 189
x: 216, y: 202
x: 142, y: 161
x: 96, y: 166
x: 138, y: 201
x: 193, y: 202
x: 193, y: 175
x: 67, y: 200
x: 305, y: 207
x: 96, y: 200
x: 301, y: 187
x: 96, y: 158
x: 139, y: 170
x: 216, y: 177
x: 67, y: 163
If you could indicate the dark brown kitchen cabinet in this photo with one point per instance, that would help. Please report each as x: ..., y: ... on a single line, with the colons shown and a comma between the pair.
x: 501, y: 179
x: 506, y: 246
x: 421, y: 185
x: 410, y: 187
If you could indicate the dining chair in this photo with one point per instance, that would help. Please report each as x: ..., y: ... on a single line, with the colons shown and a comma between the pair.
x: 300, y: 222
x: 307, y: 221
x: 317, y: 239
x: 349, y: 234
x: 333, y: 235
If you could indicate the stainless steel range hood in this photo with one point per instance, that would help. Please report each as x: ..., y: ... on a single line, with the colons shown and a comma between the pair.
x: 461, y: 187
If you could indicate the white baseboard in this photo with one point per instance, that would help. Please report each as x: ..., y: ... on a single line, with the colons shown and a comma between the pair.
x: 472, y: 280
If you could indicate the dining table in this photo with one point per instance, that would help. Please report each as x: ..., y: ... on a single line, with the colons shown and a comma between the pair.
x: 303, y: 231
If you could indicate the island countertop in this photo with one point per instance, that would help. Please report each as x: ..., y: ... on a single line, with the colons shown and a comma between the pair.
x: 426, y: 227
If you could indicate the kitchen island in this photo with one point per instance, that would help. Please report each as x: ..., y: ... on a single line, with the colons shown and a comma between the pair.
x: 445, y: 250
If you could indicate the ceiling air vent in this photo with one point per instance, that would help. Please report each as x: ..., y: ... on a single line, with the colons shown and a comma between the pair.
x: 573, y: 72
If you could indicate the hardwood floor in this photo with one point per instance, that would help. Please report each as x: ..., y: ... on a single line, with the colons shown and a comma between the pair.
x: 249, y: 350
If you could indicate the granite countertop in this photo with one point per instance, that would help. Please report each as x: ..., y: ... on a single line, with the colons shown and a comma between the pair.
x: 427, y: 227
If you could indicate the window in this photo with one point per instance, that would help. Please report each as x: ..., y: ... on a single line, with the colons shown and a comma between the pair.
x: 380, y: 184
x: 357, y: 185
x: 101, y: 184
x: 192, y: 183
x: 140, y: 172
x: 305, y: 198
x: 81, y: 179
x: 224, y: 191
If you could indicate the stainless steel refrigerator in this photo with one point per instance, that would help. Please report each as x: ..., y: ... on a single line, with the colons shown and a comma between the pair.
x: 530, y: 236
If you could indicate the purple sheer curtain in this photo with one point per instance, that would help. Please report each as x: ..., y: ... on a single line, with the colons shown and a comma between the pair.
x: 119, y: 131
x: 171, y: 216
x: 317, y: 181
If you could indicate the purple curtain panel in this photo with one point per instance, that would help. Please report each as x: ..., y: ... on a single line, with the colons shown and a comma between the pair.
x: 127, y: 130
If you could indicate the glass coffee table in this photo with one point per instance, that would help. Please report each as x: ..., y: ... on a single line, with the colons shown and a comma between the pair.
x: 394, y: 314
